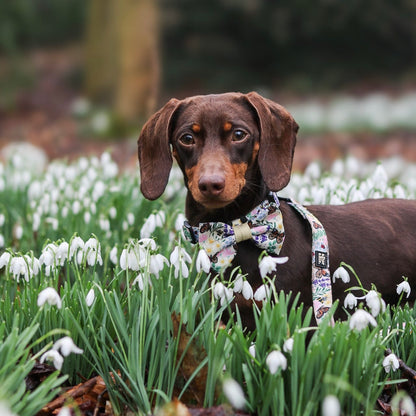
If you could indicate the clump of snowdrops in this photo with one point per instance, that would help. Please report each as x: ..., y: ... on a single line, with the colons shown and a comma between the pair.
x: 92, y: 275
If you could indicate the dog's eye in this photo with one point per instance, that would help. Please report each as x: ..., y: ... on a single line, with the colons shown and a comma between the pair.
x: 187, y: 139
x: 239, y: 135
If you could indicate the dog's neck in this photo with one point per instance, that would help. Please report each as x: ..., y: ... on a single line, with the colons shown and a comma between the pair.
x: 243, y: 204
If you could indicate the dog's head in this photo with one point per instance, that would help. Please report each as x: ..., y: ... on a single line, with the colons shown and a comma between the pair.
x: 216, y: 140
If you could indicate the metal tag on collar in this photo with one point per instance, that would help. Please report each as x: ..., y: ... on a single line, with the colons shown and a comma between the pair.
x: 191, y: 232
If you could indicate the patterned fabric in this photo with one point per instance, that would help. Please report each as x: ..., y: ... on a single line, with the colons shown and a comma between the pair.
x: 264, y: 224
x: 321, y: 277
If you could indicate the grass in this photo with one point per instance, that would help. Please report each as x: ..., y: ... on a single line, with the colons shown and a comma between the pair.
x: 148, y: 324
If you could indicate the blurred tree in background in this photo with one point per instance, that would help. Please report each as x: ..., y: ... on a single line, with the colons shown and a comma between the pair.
x: 218, y: 45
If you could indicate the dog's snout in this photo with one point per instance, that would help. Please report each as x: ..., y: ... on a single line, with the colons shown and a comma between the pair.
x: 211, y: 185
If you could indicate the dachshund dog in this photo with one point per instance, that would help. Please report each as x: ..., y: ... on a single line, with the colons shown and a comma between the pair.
x: 233, y: 150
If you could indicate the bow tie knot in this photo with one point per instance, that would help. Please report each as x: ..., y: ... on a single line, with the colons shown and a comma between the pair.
x: 263, y: 225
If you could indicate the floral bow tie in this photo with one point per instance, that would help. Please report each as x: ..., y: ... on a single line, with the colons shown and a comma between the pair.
x: 263, y: 225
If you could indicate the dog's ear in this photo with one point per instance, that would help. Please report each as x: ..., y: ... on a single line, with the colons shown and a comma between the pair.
x: 155, y: 157
x: 277, y: 141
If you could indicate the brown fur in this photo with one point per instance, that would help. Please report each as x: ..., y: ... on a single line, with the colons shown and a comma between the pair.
x: 227, y: 177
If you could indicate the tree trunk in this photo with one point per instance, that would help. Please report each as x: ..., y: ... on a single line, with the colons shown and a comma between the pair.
x: 122, y: 62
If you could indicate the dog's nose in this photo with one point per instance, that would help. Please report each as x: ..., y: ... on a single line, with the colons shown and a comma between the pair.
x: 211, y: 185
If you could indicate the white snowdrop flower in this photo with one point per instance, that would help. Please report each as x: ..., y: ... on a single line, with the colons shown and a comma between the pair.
x: 228, y: 297
x: 399, y: 192
x: 178, y: 258
x: 268, y: 264
x: 247, y: 290
x: 275, y: 361
x: 234, y: 393
x: 64, y: 211
x: 404, y: 287
x: 49, y: 295
x: 360, y: 320
x: 87, y: 217
x: 262, y: 293
x: 92, y: 250
x: 98, y: 190
x: 157, y: 263
x: 104, y: 223
x: 2, y: 241
x: 407, y: 406
x: 76, y: 207
x: 62, y: 253
x: 391, y: 363
x: 93, y: 208
x: 89, y: 299
x: 54, y: 356
x: 252, y: 350
x: 238, y: 284
x: 148, y: 227
x: 350, y: 301
x: 288, y: 345
x: 356, y: 196
x: 65, y: 411
x: 160, y: 218
x: 303, y: 195
x: 53, y: 222
x: 35, y: 221
x: 67, y: 346
x: 112, y: 212
x: 331, y: 406
x: 375, y: 302
x: 113, y: 255
x: 5, y: 259
x: 76, y: 244
x: 100, y: 122
x: 18, y: 268
x: 17, y: 231
x: 203, y: 262
x: 130, y: 218
x: 180, y: 219
x: 341, y: 273
x: 125, y: 225
x: 335, y: 200
x: 313, y: 170
x: 219, y: 290
x: 2, y: 219
x: 380, y: 178
x: 337, y: 168
x: 148, y: 243
x: 80, y: 107
x: 139, y: 280
x: 47, y: 257
x: 5, y: 410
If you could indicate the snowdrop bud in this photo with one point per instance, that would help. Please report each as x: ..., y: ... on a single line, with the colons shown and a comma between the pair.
x: 67, y: 346
x: 17, y: 231
x: 331, y: 406
x: 360, y: 319
x: 2, y: 220
x: 342, y: 274
x: 404, y: 287
x: 238, y: 284
x: 76, y: 207
x: 5, y: 410
x: 262, y: 293
x: 374, y: 302
x: 49, y: 295
x: 89, y: 299
x: 65, y: 411
x: 252, y: 350
x: 112, y: 212
x: 234, y: 393
x: 5, y: 259
x: 87, y: 217
x: 391, y: 362
x: 113, y: 255
x: 203, y: 262
x: 55, y: 357
x: 180, y: 219
x: 275, y: 361
x: 139, y: 281
x: 288, y: 345
x: 1, y: 241
x: 130, y: 218
x: 268, y: 264
x: 219, y: 290
x: 350, y: 301
x: 380, y: 177
x: 247, y: 290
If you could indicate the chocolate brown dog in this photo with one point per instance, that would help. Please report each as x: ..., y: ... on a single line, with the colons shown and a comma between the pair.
x: 233, y: 150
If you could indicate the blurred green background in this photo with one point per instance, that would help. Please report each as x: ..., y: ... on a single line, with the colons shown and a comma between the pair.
x: 129, y: 56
